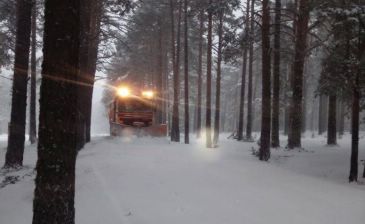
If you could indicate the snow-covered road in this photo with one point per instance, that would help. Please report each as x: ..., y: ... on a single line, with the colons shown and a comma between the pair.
x: 137, y: 181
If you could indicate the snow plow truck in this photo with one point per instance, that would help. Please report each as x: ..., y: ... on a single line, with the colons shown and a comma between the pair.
x: 134, y: 112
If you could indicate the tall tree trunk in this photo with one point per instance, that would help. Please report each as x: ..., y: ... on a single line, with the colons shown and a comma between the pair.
x: 16, y: 139
x: 312, y: 114
x: 58, y: 120
x: 200, y: 74
x: 244, y: 71
x: 332, y: 122
x: 356, y: 117
x: 295, y: 120
x: 275, y: 142
x: 250, y: 74
x: 96, y: 10
x: 236, y: 96
x: 217, y: 114
x: 175, y: 130
x: 355, y: 135
x: 85, y: 19
x: 195, y: 118
x: 173, y: 57
x: 224, y: 113
x: 304, y: 109
x: 289, y: 95
x: 264, y: 152
x: 257, y: 80
x: 33, y: 78
x: 165, y: 80
x: 90, y: 26
x: 287, y: 99
x: 160, y: 74
x: 186, y: 71
x: 209, y: 80
x: 341, y: 117
x: 322, y: 114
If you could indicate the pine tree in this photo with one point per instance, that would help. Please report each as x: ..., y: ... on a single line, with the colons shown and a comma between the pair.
x: 250, y: 74
x: 200, y: 72
x: 94, y: 39
x: 90, y: 29
x: 355, y: 131
x: 209, y: 78
x: 264, y: 152
x: 33, y: 77
x: 16, y: 139
x: 322, y: 114
x: 275, y: 142
x: 332, y: 129
x: 175, y: 130
x: 186, y: 72
x: 217, y: 114
x: 57, y: 145
x: 85, y: 18
x: 295, y: 122
x: 244, y: 71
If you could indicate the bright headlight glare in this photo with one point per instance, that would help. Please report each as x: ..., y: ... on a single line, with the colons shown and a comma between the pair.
x: 123, y: 92
x: 147, y: 94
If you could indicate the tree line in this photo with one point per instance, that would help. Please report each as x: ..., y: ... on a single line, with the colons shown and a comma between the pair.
x: 178, y: 46
x: 275, y: 43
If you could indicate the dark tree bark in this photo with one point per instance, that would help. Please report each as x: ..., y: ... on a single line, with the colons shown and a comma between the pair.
x: 160, y: 73
x: 356, y: 118
x: 243, y: 78
x: 275, y: 142
x: 355, y: 135
x: 332, y: 120
x: 85, y: 18
x: 175, y: 129
x: 165, y: 79
x: 16, y: 139
x: 287, y: 101
x: 209, y: 80
x: 305, y: 102
x: 186, y: 73
x: 173, y: 57
x: 264, y: 152
x: 341, y: 117
x: 96, y: 10
x: 287, y: 130
x: 322, y: 114
x: 356, y: 113
x: 200, y: 74
x: 250, y: 74
x: 295, y: 120
x: 257, y: 80
x: 33, y: 77
x: 90, y: 27
x: 58, y: 120
x: 218, y: 81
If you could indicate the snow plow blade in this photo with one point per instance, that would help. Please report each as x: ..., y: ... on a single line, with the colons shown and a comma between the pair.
x: 140, y: 131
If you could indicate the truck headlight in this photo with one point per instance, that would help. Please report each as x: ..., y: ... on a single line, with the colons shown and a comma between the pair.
x: 123, y: 92
x: 148, y: 94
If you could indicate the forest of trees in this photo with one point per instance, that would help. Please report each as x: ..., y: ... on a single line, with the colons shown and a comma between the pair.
x: 258, y: 66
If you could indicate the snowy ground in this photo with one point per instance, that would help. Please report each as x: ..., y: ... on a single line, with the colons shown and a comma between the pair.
x: 141, y: 181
